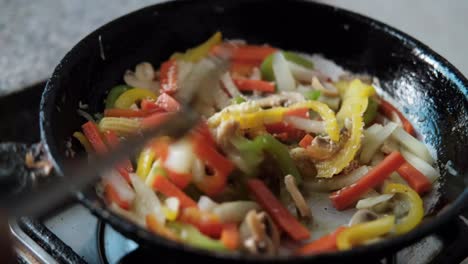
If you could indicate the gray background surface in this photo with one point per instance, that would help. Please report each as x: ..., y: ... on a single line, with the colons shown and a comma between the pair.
x: 34, y: 35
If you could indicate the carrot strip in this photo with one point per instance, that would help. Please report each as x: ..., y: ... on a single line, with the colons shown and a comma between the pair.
x: 299, y: 112
x: 208, y: 223
x: 306, y: 141
x: 93, y: 134
x: 244, y: 69
x: 347, y: 196
x: 154, y: 119
x: 163, y: 185
x: 160, y: 229
x: 254, y: 85
x: 280, y: 215
x: 324, y: 244
x: 230, y: 236
x: 252, y: 53
x: 415, y: 178
x: 124, y: 167
x: 387, y: 109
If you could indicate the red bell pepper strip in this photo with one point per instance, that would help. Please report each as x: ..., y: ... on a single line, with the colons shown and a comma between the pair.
x: 254, y: 85
x: 168, y: 103
x: 124, y: 167
x: 324, y: 244
x: 299, y: 112
x: 280, y: 215
x: 168, y: 75
x: 242, y: 69
x: 181, y: 180
x: 415, y: 178
x: 147, y: 105
x: 283, y: 128
x: 220, y: 166
x: 230, y: 236
x: 207, y: 223
x: 154, y: 120
x: 112, y: 195
x: 163, y: 185
x: 93, y: 134
x: 117, y: 112
x: 306, y: 141
x: 252, y: 53
x: 387, y: 109
x: 347, y: 196
x: 204, y: 132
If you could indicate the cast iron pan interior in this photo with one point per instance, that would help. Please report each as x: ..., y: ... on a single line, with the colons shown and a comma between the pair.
x: 430, y: 91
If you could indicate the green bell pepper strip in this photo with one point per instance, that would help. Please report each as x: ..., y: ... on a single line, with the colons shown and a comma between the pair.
x: 312, y: 95
x: 114, y: 93
x: 238, y: 100
x: 279, y: 152
x: 371, y: 111
x: 193, y: 237
x: 267, y: 65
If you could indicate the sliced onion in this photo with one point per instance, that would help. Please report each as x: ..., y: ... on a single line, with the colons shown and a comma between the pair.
x: 308, y: 125
x: 256, y: 74
x: 284, y: 78
x: 326, y: 66
x: 372, y: 201
x: 146, y: 201
x: 422, y: 166
x: 303, y: 74
x: 329, y: 90
x: 206, y: 204
x: 198, y: 170
x: 332, y: 102
x: 374, y: 138
x: 337, y: 182
x: 85, y: 115
x: 144, y: 71
x: 121, y: 187
x: 412, y: 144
x: 184, y: 68
x: 229, y: 85
x: 234, y: 211
x: 180, y: 156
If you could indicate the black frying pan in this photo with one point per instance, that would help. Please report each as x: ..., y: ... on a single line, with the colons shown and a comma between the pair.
x: 431, y: 92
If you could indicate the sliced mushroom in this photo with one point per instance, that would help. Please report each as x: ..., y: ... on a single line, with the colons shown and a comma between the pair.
x: 362, y: 216
x: 304, y: 163
x: 322, y: 148
x: 259, y: 234
x: 282, y: 99
x: 297, y: 197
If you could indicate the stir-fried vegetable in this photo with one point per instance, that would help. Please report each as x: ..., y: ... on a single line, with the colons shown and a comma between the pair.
x: 416, y: 210
x: 360, y: 233
x: 296, y: 123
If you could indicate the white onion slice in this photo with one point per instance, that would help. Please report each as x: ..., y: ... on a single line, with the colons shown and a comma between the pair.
x: 412, y: 144
x: 332, y: 102
x: 198, y: 170
x: 303, y: 74
x: 256, y: 74
x: 308, y: 125
x: 121, y: 187
x: 144, y: 71
x: 206, y: 204
x: 234, y: 211
x: 422, y: 166
x: 337, y: 182
x: 229, y: 85
x: 372, y: 201
x: 284, y: 78
x: 180, y: 156
x: 146, y: 201
x: 374, y: 138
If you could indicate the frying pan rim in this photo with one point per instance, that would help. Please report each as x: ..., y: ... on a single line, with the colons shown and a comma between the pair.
x: 434, y: 60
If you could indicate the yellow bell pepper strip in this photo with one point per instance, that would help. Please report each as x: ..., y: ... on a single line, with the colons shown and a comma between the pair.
x: 416, y: 208
x: 197, y: 53
x: 249, y: 116
x: 331, y: 126
x: 84, y: 141
x: 114, y: 93
x: 190, y: 235
x: 358, y: 234
x: 354, y: 104
x: 130, y: 97
x: 267, y: 64
x: 145, y: 161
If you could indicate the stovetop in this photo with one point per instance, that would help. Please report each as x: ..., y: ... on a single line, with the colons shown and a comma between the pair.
x: 73, y: 235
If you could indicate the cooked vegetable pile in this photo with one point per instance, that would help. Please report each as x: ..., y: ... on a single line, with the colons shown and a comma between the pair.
x: 280, y: 129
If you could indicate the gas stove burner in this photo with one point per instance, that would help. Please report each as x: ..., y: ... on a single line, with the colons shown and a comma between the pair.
x: 112, y: 246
